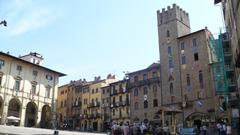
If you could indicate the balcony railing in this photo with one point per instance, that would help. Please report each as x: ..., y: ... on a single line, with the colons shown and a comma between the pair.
x: 144, y: 82
x: 114, y: 92
x: 94, y: 104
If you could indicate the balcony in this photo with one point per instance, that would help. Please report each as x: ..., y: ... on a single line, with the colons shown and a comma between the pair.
x: 114, y: 92
x: 94, y: 104
x: 144, y: 82
x: 114, y: 104
x: 77, y: 104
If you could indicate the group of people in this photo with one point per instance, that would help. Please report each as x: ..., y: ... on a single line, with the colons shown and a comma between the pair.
x: 137, y: 129
x: 223, y: 128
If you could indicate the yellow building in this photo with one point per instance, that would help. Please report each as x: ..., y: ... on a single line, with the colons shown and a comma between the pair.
x: 95, y: 102
x: 85, y: 102
x: 120, y: 102
x: 28, y: 91
x: 62, y: 104
x: 70, y: 104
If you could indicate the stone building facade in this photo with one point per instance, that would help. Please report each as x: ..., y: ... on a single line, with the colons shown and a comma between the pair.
x: 145, y: 94
x: 120, y: 102
x: 28, y: 91
x: 172, y: 23
x: 197, y: 84
x: 186, y: 73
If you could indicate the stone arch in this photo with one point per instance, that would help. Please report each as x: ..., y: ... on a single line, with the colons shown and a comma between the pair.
x: 31, y: 114
x: 46, y: 117
x: 14, y: 109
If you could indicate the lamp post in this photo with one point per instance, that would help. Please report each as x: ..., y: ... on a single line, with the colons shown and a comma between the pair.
x: 4, y: 23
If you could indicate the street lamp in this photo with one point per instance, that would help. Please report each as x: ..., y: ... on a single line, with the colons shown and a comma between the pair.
x: 4, y: 23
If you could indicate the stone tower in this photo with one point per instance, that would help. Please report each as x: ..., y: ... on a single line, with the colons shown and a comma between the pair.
x: 172, y: 23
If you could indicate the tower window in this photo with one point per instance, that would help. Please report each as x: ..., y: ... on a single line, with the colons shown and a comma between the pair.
x: 171, y: 88
x: 155, y: 103
x: 169, y: 50
x: 168, y: 33
x: 196, y: 57
x: 188, y: 80
x: 200, y: 76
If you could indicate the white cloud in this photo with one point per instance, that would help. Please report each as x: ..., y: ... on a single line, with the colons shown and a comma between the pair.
x: 31, y: 21
x: 26, y: 15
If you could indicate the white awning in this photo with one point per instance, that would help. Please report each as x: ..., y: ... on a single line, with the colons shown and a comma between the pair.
x: 13, y: 118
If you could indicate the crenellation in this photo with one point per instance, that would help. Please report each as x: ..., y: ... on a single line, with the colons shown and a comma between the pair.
x: 184, y: 12
x: 163, y: 10
x: 174, y: 5
x: 168, y: 7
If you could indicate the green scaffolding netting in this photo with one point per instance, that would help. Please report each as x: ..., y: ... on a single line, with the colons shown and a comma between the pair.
x: 217, y: 64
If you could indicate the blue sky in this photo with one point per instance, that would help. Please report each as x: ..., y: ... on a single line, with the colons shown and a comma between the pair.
x: 87, y: 38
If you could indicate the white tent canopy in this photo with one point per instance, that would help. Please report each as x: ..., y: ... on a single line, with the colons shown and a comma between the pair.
x: 13, y: 118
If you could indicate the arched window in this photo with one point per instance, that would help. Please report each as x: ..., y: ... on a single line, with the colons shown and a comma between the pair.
x: 155, y: 103
x: 136, y: 92
x: 145, y: 91
x: 200, y: 76
x: 145, y: 104
x: 171, y: 88
x: 136, y: 105
x: 168, y: 33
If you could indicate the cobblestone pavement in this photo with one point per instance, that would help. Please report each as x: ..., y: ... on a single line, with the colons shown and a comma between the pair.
x: 12, y: 130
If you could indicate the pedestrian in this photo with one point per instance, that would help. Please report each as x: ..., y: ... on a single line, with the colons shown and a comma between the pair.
x: 229, y: 129
x: 204, y: 129
x: 219, y: 126
x: 223, y: 128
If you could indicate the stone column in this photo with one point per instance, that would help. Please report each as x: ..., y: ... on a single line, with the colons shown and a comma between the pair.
x: 4, y: 114
x: 22, y: 115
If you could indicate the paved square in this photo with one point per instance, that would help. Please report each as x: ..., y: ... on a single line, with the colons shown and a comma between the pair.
x: 39, y: 131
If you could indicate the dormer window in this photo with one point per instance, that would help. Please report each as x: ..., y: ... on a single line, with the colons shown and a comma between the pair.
x: 19, y: 68
x: 49, y: 77
x: 35, y: 73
